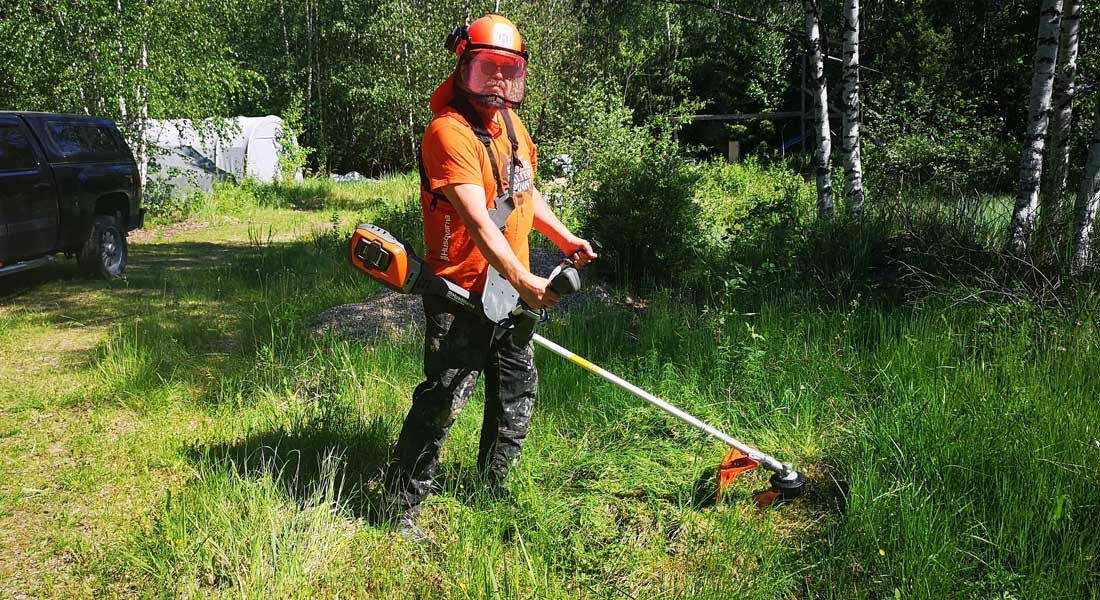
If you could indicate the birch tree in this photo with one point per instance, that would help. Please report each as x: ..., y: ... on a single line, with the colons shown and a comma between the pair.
x: 1053, y: 212
x: 853, y: 162
x: 1087, y: 201
x: 816, y: 66
x: 1031, y: 159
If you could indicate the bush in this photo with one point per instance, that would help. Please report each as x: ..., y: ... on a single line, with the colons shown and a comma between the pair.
x: 643, y: 212
x: 752, y: 218
x: 959, y: 162
x: 165, y: 203
x: 635, y: 190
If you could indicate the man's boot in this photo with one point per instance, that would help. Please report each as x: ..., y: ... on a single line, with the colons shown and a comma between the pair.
x: 497, y: 487
x: 406, y: 528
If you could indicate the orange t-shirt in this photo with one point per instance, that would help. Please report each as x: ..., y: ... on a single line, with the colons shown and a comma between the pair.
x: 452, y: 155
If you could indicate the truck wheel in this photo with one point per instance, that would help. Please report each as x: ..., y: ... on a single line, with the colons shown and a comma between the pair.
x: 104, y: 253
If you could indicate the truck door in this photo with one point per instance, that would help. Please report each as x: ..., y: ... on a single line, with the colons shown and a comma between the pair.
x: 28, y: 196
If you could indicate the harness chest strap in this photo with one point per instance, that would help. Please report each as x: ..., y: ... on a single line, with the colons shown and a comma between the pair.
x: 504, y: 202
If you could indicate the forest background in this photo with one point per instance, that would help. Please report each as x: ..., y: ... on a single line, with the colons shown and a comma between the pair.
x: 939, y: 391
x: 944, y: 90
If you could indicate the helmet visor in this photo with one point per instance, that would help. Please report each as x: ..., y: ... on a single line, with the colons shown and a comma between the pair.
x: 496, y: 78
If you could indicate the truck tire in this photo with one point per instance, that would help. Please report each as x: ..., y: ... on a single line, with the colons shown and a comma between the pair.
x: 104, y: 252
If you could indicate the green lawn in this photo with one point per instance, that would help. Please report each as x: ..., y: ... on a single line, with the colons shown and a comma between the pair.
x: 178, y: 433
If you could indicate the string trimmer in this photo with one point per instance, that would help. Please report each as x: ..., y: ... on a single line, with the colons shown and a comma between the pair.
x: 392, y: 262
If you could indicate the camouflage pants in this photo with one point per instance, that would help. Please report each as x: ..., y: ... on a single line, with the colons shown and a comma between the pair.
x: 458, y: 346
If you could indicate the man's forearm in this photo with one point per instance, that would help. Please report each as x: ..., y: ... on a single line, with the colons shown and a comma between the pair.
x: 469, y: 201
x: 496, y: 249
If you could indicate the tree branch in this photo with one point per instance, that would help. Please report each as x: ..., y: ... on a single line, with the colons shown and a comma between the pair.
x: 722, y: 11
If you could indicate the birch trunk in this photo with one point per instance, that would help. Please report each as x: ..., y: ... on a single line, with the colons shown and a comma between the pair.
x: 816, y: 65
x: 286, y: 39
x: 143, y: 117
x: 309, y: 64
x: 1053, y: 212
x: 853, y: 161
x: 1031, y: 159
x: 1087, y: 201
x: 121, y: 65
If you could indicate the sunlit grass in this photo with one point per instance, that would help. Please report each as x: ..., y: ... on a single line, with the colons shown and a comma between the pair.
x: 206, y: 445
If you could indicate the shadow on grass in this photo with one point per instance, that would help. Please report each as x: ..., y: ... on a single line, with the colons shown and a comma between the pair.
x: 307, y: 460
x: 17, y: 285
x: 184, y: 311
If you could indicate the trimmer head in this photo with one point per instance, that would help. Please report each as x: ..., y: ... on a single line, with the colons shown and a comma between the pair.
x: 789, y: 487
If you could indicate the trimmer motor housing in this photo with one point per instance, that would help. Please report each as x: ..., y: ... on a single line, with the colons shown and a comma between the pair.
x: 385, y: 257
x: 392, y: 262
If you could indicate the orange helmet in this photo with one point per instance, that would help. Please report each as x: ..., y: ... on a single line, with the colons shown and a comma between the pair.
x: 492, y: 63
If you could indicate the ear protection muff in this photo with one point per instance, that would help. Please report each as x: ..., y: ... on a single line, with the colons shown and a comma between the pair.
x: 456, y: 41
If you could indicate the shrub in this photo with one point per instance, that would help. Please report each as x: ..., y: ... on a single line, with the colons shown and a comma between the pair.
x: 752, y: 217
x: 167, y: 204
x: 292, y: 156
x: 959, y: 162
x: 635, y: 190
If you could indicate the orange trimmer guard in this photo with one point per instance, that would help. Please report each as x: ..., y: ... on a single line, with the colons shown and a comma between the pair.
x: 735, y: 463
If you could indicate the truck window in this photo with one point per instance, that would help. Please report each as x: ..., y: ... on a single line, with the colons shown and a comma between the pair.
x: 83, y: 140
x: 15, y: 149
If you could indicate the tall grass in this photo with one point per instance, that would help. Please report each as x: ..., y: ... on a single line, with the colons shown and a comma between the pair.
x: 952, y: 453
x: 951, y: 444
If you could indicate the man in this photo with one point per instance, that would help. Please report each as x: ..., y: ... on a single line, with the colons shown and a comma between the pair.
x: 477, y: 193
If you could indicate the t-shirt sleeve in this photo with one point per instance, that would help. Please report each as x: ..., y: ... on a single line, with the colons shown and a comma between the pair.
x: 451, y: 157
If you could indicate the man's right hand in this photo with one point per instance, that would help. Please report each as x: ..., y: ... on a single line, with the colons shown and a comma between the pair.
x: 536, y: 292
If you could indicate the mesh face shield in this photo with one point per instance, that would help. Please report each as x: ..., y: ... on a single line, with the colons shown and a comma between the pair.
x: 495, y: 78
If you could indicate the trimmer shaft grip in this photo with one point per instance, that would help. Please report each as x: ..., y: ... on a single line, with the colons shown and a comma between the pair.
x: 567, y: 281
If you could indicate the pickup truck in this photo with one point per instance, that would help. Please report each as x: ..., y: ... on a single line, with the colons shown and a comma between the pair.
x: 68, y: 184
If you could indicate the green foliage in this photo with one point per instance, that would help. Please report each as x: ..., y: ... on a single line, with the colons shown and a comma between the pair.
x: 636, y: 190
x: 252, y: 532
x: 164, y: 206
x: 754, y: 215
x: 292, y: 155
x: 128, y: 60
x: 959, y: 161
x: 214, y: 448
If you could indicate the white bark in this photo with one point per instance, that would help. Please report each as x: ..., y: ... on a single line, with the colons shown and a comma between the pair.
x: 286, y: 37
x: 853, y: 161
x: 1087, y: 201
x: 143, y: 117
x: 309, y: 62
x: 121, y: 65
x: 816, y: 65
x: 1053, y: 213
x: 1031, y: 159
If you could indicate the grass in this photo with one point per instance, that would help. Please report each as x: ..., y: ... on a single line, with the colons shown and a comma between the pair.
x: 177, y: 433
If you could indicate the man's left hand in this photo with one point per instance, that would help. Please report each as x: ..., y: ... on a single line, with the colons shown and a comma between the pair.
x: 580, y: 251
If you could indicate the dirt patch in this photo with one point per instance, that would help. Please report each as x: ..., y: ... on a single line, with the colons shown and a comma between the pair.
x: 391, y: 316
x: 385, y: 315
x: 166, y: 231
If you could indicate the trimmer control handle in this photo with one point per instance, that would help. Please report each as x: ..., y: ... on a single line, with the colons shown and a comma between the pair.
x: 596, y: 245
x: 567, y: 279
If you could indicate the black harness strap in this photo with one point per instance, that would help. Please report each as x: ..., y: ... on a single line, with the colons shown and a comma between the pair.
x: 504, y: 203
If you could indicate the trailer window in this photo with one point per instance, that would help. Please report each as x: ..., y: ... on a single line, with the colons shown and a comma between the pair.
x: 15, y: 149
x: 83, y: 140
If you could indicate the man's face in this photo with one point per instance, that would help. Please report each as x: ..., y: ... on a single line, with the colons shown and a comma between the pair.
x: 497, y: 74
